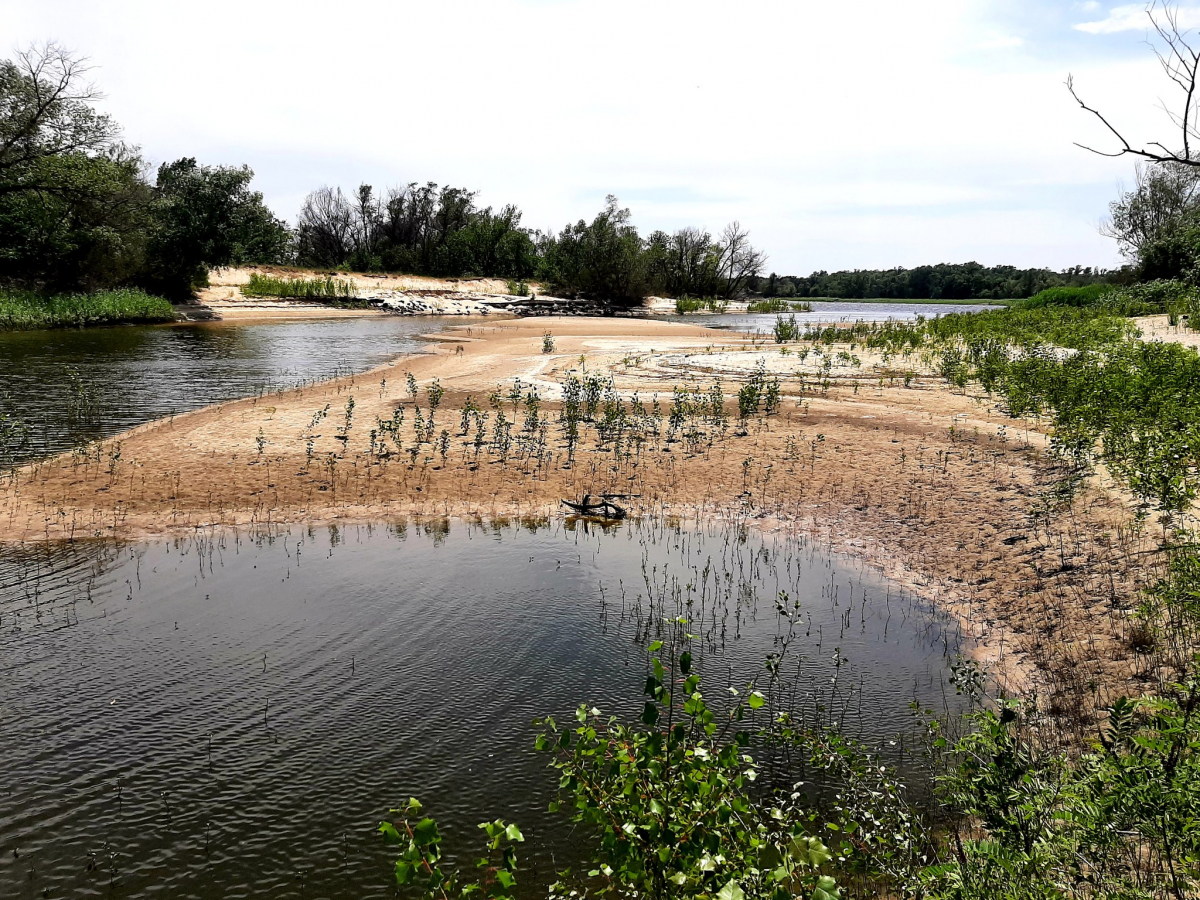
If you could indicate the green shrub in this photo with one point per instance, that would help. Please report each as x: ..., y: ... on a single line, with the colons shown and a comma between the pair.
x: 26, y: 309
x: 327, y: 288
x: 1087, y: 295
x: 686, y: 305
x: 778, y: 305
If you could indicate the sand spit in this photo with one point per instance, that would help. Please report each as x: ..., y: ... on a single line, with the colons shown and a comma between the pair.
x: 938, y: 489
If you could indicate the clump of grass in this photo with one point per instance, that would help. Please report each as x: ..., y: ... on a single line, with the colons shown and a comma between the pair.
x: 518, y: 288
x: 22, y: 310
x: 778, y: 305
x: 686, y: 305
x: 327, y: 288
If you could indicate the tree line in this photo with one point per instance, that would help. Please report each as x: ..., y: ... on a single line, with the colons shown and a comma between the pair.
x: 945, y: 281
x: 80, y: 209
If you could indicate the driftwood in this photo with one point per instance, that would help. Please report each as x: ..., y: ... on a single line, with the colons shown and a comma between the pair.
x: 604, y: 508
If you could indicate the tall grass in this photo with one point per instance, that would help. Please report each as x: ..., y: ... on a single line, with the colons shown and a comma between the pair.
x: 23, y: 310
x: 686, y: 305
x: 778, y: 305
x: 327, y: 288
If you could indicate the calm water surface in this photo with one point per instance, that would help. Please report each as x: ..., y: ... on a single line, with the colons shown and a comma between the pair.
x: 827, y: 311
x: 140, y: 373
x: 231, y: 715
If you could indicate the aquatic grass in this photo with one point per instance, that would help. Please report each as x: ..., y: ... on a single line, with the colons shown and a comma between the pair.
x: 778, y: 305
x: 27, y: 310
x: 327, y: 288
x: 685, y: 305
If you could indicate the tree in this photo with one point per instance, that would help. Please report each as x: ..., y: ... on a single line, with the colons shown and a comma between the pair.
x: 1180, y: 62
x: 603, y: 259
x: 737, y: 260
x: 72, y: 203
x: 47, y: 112
x: 324, y: 228
x: 207, y: 216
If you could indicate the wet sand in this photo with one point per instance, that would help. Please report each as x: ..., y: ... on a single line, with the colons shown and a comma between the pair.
x: 938, y: 489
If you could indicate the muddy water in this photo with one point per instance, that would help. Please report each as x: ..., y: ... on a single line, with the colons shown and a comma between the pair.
x: 231, y: 715
x: 71, y: 386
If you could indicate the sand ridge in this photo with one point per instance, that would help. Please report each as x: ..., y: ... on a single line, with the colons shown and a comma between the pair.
x: 936, y: 488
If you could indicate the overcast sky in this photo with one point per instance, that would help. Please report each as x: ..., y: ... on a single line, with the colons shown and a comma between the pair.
x: 863, y: 134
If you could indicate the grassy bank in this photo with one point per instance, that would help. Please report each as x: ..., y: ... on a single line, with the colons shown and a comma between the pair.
x: 23, y: 310
x: 321, y: 289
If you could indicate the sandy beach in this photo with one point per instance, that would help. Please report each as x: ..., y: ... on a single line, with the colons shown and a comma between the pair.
x: 938, y: 489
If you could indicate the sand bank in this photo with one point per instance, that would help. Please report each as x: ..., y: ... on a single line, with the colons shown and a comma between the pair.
x: 937, y: 489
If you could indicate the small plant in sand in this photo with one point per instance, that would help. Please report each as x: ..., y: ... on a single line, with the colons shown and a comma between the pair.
x: 14, y: 440
x: 547, y: 342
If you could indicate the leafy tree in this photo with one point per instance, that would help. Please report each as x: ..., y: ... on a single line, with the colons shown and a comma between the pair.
x: 206, y: 216
x: 47, y: 112
x: 602, y: 258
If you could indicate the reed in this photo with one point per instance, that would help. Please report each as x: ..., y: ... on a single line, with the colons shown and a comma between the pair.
x: 327, y: 288
x: 25, y: 310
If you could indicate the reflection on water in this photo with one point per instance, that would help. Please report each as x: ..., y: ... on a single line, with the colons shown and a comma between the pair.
x: 829, y: 311
x: 132, y: 375
x: 231, y: 715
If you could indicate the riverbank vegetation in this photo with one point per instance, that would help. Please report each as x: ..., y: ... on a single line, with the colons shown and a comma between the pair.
x: 327, y: 288
x: 1028, y: 796
x: 20, y: 310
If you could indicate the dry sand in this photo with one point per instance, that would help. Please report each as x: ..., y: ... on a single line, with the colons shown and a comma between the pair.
x: 937, y: 489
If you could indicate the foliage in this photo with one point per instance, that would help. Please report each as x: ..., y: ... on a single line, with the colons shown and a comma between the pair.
x: 671, y: 801
x: 27, y: 310
x: 423, y: 229
x: 785, y: 330
x: 1116, y: 822
x: 685, y: 305
x: 327, y: 288
x: 207, y: 216
x: 776, y: 305
x: 419, y: 864
x: 1083, y: 295
x: 945, y: 281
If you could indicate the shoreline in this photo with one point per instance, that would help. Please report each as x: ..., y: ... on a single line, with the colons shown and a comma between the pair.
x: 871, y: 470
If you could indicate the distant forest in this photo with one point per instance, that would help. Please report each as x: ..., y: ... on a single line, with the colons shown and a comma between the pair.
x: 80, y: 209
x: 945, y: 281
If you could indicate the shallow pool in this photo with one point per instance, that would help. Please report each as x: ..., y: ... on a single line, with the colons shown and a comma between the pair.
x: 231, y: 715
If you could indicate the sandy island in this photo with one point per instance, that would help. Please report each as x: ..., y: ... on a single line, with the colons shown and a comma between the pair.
x: 938, y: 489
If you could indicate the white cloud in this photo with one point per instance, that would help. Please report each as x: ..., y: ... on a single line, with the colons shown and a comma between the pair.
x: 838, y: 145
x: 1000, y: 42
x: 1133, y: 17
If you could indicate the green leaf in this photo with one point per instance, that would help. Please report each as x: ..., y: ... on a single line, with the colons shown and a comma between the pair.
x: 403, y: 872
x: 389, y: 832
x: 685, y: 662
x: 650, y: 714
x: 826, y: 889
x: 425, y: 832
x: 731, y: 891
x: 505, y: 878
x: 414, y: 805
x: 756, y: 700
x: 513, y: 833
x: 656, y: 646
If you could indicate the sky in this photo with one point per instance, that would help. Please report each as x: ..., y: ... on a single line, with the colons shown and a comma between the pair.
x: 852, y: 134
